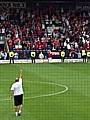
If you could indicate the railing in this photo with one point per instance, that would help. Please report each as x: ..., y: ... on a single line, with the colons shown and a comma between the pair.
x: 12, y: 4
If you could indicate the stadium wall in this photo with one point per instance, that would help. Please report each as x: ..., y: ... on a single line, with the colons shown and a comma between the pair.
x: 43, y: 61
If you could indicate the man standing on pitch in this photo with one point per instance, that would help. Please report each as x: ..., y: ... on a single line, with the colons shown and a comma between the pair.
x: 17, y: 92
x: 11, y: 56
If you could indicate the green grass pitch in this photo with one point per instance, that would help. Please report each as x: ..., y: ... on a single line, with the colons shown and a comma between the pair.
x: 44, y: 98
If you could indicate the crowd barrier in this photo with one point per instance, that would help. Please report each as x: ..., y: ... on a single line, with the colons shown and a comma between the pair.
x: 42, y: 61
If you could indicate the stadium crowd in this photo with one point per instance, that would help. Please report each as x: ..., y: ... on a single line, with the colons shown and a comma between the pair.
x: 46, y: 29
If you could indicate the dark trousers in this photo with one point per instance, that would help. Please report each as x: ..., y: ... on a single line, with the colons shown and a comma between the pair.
x: 11, y: 60
x: 62, y: 59
x: 84, y: 58
x: 33, y: 60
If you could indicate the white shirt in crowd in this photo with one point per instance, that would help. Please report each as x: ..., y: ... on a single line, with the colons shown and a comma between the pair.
x: 3, y: 30
x: 76, y: 45
x: 41, y: 56
x: 4, y: 55
x: 68, y: 46
x: 65, y: 44
x: 17, y: 87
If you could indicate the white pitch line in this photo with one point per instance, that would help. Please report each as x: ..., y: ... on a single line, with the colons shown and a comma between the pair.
x: 45, y: 95
x: 51, y: 94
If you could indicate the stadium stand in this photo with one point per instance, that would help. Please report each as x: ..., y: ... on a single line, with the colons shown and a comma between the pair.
x: 52, y: 29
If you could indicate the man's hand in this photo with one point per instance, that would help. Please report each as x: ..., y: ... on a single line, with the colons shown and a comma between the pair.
x: 21, y: 70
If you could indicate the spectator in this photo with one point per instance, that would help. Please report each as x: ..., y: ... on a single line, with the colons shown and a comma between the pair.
x: 41, y: 56
x: 50, y: 29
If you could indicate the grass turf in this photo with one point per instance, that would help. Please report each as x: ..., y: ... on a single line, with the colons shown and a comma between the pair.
x: 71, y: 105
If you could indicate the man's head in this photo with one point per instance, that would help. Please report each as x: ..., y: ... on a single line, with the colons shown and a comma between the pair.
x: 17, y: 79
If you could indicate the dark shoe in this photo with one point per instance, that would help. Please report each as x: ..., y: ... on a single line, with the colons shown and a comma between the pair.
x: 19, y: 114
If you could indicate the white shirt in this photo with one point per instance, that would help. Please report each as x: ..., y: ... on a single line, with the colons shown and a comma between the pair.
x: 68, y: 46
x: 17, y: 87
x: 3, y: 30
x: 65, y: 44
x: 41, y: 56
x: 76, y: 45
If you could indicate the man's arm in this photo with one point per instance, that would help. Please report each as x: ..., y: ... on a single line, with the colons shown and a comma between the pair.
x: 12, y: 91
x: 21, y: 73
x: 21, y: 76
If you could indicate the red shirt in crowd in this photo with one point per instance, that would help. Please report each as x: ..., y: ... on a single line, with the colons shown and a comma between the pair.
x: 10, y: 43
